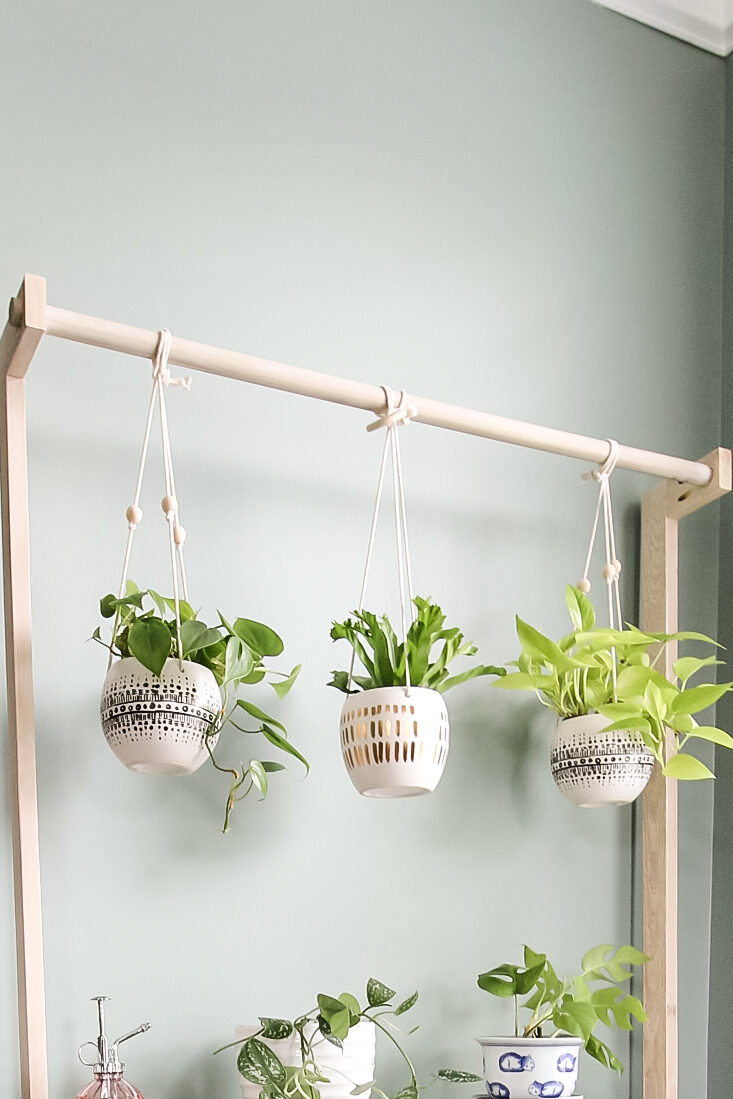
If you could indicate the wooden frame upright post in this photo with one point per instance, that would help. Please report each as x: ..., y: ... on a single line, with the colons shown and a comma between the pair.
x: 17, y: 348
x: 662, y: 508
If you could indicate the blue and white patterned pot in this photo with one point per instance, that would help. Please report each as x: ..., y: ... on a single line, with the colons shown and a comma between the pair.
x: 530, y: 1068
x: 592, y: 768
x: 157, y: 725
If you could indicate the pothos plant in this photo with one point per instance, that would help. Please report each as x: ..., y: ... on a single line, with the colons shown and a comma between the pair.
x: 614, y: 673
x: 576, y: 1005
x: 382, y: 655
x: 144, y: 627
x: 329, y: 1021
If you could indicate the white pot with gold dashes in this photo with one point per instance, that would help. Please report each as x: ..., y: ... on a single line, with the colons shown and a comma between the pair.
x: 394, y: 740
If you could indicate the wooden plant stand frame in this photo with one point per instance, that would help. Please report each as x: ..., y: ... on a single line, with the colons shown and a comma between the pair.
x: 687, y: 487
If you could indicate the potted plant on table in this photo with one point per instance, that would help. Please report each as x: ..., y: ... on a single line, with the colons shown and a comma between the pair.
x: 541, y: 1059
x: 394, y: 722
x: 328, y: 1052
x: 163, y: 708
x: 616, y: 712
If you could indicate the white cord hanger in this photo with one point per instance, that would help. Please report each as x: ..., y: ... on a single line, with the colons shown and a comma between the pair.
x: 396, y: 415
x: 612, y: 566
x: 134, y: 513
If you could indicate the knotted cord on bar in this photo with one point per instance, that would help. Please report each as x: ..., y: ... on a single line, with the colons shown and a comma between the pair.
x: 134, y: 514
x: 394, y: 416
x: 612, y: 566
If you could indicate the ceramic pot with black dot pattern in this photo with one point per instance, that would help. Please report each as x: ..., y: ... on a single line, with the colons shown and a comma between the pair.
x: 157, y: 725
x: 593, y: 768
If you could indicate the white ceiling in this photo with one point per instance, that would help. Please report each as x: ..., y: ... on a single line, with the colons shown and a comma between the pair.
x: 704, y: 23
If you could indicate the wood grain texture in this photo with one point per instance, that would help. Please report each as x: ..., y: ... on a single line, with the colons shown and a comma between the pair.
x: 662, y: 508
x: 17, y: 347
x: 659, y: 611
x: 684, y: 499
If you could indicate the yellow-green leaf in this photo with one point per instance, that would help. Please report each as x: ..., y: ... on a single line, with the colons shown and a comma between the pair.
x: 699, y: 698
x: 714, y: 735
x: 686, y: 767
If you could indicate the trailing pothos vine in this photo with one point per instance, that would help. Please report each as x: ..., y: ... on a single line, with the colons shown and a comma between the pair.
x: 329, y: 1021
x: 144, y: 627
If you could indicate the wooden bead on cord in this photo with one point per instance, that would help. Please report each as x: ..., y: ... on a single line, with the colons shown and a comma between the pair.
x: 134, y: 515
x: 179, y: 534
x: 609, y: 572
x: 583, y: 585
x: 169, y: 505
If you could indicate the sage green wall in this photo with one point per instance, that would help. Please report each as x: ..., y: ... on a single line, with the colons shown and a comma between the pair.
x: 513, y: 206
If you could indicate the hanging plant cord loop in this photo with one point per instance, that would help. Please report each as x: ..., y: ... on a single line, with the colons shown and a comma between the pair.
x: 134, y: 514
x: 396, y: 414
x: 612, y: 567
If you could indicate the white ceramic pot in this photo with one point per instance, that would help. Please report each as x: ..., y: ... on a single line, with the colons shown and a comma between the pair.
x: 592, y: 768
x: 395, y: 744
x: 157, y: 724
x: 528, y: 1068
x: 345, y: 1068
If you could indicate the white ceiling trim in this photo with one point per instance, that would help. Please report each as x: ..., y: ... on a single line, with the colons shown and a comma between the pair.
x: 704, y: 23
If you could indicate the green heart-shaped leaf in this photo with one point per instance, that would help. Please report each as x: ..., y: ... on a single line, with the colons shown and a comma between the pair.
x: 149, y: 641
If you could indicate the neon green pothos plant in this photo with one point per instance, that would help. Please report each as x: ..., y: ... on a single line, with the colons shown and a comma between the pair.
x: 575, y: 676
x: 573, y: 1006
x: 382, y: 656
x: 144, y: 627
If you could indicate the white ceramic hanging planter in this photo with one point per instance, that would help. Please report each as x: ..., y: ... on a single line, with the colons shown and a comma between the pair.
x: 395, y: 742
x: 528, y: 1068
x: 592, y: 768
x: 157, y: 725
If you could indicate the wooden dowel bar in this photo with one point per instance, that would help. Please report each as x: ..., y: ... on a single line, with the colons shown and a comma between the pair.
x: 141, y: 342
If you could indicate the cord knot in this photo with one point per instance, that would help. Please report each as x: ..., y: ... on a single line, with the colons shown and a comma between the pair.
x: 607, y: 466
x: 161, y: 372
x: 394, y: 414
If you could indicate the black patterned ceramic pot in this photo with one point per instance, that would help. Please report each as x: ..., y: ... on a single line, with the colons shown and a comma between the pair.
x: 592, y: 768
x: 157, y: 725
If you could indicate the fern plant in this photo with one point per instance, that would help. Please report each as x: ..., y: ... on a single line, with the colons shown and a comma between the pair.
x: 430, y: 650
